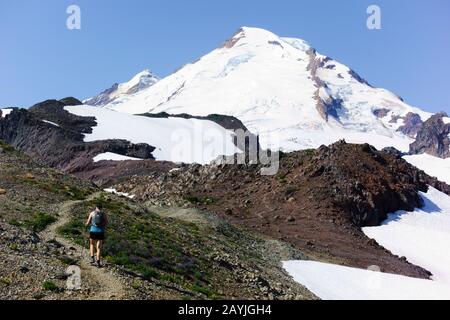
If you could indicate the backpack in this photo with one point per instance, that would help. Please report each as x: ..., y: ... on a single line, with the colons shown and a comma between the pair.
x: 99, y: 219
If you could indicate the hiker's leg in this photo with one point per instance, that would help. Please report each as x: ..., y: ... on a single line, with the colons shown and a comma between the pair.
x: 91, y: 247
x: 99, y: 249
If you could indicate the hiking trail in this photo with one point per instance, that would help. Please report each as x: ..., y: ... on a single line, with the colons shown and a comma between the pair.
x: 100, y: 283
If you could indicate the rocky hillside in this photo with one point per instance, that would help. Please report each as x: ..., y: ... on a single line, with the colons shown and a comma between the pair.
x: 318, y: 201
x: 150, y: 253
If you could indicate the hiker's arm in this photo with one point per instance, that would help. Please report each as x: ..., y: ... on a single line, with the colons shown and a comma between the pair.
x: 88, y: 222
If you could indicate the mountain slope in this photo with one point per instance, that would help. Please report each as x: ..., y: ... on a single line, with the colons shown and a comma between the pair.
x: 318, y: 201
x: 282, y: 89
x: 149, y: 254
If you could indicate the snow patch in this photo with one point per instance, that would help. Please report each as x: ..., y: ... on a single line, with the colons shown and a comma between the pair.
x: 112, y: 157
x: 52, y: 123
x: 422, y: 236
x: 5, y: 112
x: 446, y: 120
x: 334, y: 282
x: 433, y: 166
x: 122, y: 194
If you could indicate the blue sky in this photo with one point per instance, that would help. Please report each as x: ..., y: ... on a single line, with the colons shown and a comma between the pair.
x: 40, y: 58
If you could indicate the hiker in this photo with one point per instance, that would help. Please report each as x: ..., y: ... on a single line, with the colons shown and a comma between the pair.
x: 98, y: 220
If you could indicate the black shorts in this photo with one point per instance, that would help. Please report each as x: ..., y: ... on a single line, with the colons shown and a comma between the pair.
x: 97, y: 235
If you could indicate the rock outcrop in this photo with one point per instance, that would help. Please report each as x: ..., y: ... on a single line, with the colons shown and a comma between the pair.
x: 433, y: 137
x: 412, y: 124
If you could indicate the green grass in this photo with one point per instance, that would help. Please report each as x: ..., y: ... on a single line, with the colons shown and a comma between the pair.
x: 144, y: 243
x: 202, y: 290
x: 39, y: 221
x: 6, y: 281
x: 6, y: 147
x: 14, y: 246
x: 50, y: 286
x: 56, y: 187
x: 310, y: 152
x: 198, y: 200
x: 15, y: 222
x: 67, y: 260
x: 290, y: 190
x: 281, y: 177
x: 72, y: 229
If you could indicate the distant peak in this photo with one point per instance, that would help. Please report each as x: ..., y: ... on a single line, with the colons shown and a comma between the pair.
x: 140, y: 81
x: 146, y: 73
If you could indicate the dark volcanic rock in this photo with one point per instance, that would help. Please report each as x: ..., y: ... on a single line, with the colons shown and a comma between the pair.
x: 381, y: 113
x: 394, y: 152
x: 228, y: 122
x: 412, y: 125
x: 61, y: 145
x: 53, y: 110
x: 71, y: 101
x: 433, y: 138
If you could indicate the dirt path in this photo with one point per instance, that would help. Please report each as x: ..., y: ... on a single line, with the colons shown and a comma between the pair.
x: 101, y: 283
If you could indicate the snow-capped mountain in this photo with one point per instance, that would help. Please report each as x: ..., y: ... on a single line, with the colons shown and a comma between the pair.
x: 142, y: 80
x: 283, y: 90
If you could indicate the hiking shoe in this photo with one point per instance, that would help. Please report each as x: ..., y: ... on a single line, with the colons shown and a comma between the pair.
x: 92, y: 260
x: 99, y: 265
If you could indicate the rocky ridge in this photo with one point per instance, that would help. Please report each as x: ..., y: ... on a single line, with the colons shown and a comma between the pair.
x: 318, y: 201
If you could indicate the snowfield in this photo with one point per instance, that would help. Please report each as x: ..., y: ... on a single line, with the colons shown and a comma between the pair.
x: 433, y: 166
x: 422, y: 236
x: 175, y: 139
x: 334, y: 282
x: 112, y: 157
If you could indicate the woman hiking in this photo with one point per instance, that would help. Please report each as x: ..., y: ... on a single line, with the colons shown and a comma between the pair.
x: 98, y: 220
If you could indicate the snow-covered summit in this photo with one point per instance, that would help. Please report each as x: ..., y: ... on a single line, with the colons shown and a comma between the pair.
x: 282, y: 89
x: 259, y: 38
x: 140, y: 81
